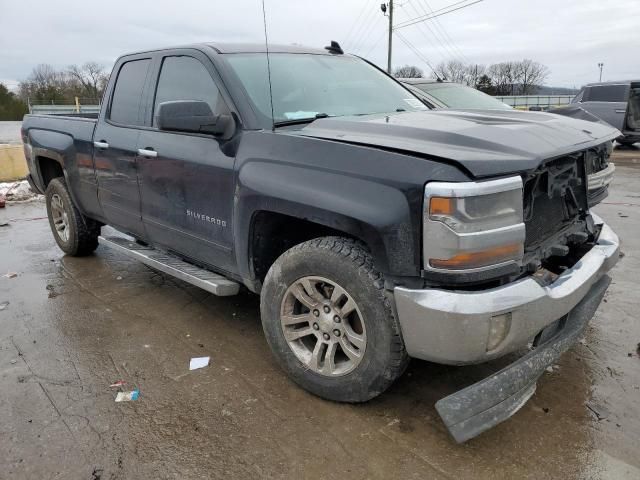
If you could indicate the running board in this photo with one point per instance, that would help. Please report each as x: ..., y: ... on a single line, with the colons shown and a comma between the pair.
x: 209, y: 281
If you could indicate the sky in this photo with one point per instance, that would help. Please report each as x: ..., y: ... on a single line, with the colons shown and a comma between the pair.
x: 569, y: 36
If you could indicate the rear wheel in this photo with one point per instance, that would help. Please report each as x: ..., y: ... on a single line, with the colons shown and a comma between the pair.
x: 626, y: 143
x: 329, y: 322
x: 74, y: 233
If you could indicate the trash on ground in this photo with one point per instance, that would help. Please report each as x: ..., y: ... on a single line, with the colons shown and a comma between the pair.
x: 4, y: 223
x: 3, y: 305
x: 198, y: 362
x: 119, y: 383
x: 127, y: 396
x: 599, y: 411
x: 11, y: 274
x: 13, y: 361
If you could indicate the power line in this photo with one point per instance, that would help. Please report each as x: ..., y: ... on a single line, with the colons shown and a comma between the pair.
x: 348, y: 36
x: 417, y: 52
x: 367, y: 34
x: 437, y: 13
x: 443, y: 30
x: 423, y: 27
x: 364, y: 29
x: 375, y: 44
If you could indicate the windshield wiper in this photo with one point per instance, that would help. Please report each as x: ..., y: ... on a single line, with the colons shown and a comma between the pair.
x: 300, y: 121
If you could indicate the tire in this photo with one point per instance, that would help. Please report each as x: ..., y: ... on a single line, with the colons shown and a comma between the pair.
x: 626, y: 143
x: 341, y: 268
x: 74, y: 233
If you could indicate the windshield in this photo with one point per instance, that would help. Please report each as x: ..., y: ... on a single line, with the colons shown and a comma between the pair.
x: 307, y: 85
x: 454, y: 95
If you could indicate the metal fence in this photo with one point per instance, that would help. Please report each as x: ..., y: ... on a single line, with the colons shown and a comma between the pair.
x: 63, y: 109
x: 526, y: 101
x: 516, y: 101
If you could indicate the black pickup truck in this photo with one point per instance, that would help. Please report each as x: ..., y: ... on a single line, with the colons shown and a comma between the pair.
x: 373, y: 229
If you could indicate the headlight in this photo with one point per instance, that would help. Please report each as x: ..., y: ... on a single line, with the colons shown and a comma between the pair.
x: 473, y: 226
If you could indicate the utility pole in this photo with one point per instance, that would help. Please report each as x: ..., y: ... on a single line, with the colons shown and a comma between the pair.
x: 390, y: 47
x: 600, y: 65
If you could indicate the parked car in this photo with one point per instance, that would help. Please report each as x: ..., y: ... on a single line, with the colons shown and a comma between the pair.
x: 616, y: 103
x: 372, y: 229
x: 441, y: 94
x: 438, y: 94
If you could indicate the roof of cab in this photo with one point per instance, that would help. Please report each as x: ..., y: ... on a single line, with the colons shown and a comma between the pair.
x: 421, y: 81
x: 261, y: 48
x: 229, y: 48
x: 620, y: 82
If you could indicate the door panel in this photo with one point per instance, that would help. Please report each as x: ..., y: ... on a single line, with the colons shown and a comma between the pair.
x: 187, y: 188
x: 118, y: 176
x: 611, y: 112
x: 607, y: 102
x: 187, y: 196
x: 115, y: 148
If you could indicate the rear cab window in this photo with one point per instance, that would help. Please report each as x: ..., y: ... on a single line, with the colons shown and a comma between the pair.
x: 127, y: 93
x: 606, y: 93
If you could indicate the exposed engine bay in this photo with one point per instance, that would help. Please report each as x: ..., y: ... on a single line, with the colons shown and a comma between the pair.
x: 560, y: 229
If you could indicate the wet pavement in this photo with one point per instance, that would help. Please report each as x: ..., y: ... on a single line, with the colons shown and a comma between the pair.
x: 73, y: 326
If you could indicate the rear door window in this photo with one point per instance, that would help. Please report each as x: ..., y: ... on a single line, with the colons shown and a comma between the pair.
x: 185, y: 78
x: 606, y: 93
x: 127, y: 94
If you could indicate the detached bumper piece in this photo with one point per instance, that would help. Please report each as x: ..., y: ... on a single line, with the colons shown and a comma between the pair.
x: 483, y: 405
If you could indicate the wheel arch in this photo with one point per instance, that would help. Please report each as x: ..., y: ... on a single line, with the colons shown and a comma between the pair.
x: 273, y: 232
x: 378, y: 216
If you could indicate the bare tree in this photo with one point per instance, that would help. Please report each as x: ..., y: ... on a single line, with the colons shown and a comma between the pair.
x: 408, y: 71
x: 92, y: 78
x: 453, y: 71
x: 474, y: 73
x: 530, y: 75
x: 46, y: 84
x: 520, y: 77
x: 504, y: 77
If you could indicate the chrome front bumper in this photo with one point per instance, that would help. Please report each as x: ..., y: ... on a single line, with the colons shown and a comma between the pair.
x: 453, y: 327
x: 602, y: 178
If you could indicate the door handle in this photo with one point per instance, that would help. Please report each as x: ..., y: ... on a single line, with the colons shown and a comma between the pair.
x: 146, y: 152
x: 101, y: 144
x: 621, y: 111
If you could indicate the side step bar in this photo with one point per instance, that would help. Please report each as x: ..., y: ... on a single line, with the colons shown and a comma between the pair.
x: 209, y: 281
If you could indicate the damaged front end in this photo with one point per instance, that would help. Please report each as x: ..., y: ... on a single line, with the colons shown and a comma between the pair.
x: 558, y: 224
x: 548, y: 290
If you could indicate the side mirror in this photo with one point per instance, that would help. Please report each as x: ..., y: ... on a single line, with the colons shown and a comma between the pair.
x: 192, y: 116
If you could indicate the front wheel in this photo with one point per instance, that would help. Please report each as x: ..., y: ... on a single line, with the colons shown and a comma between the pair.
x: 74, y: 233
x: 329, y: 322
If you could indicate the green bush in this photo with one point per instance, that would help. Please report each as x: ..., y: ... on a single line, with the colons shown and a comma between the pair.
x: 11, y: 107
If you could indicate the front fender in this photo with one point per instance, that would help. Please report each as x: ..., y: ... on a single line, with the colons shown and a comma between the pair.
x: 378, y: 214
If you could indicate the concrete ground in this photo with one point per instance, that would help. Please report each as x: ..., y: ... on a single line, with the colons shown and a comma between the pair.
x: 73, y: 326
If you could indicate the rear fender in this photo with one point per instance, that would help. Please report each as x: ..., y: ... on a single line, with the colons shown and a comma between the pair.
x: 54, y: 146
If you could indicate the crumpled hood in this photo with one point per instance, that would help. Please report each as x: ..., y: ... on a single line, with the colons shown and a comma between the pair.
x: 485, y: 142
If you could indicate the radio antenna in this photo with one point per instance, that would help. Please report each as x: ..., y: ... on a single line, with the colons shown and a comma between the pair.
x: 266, y: 44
